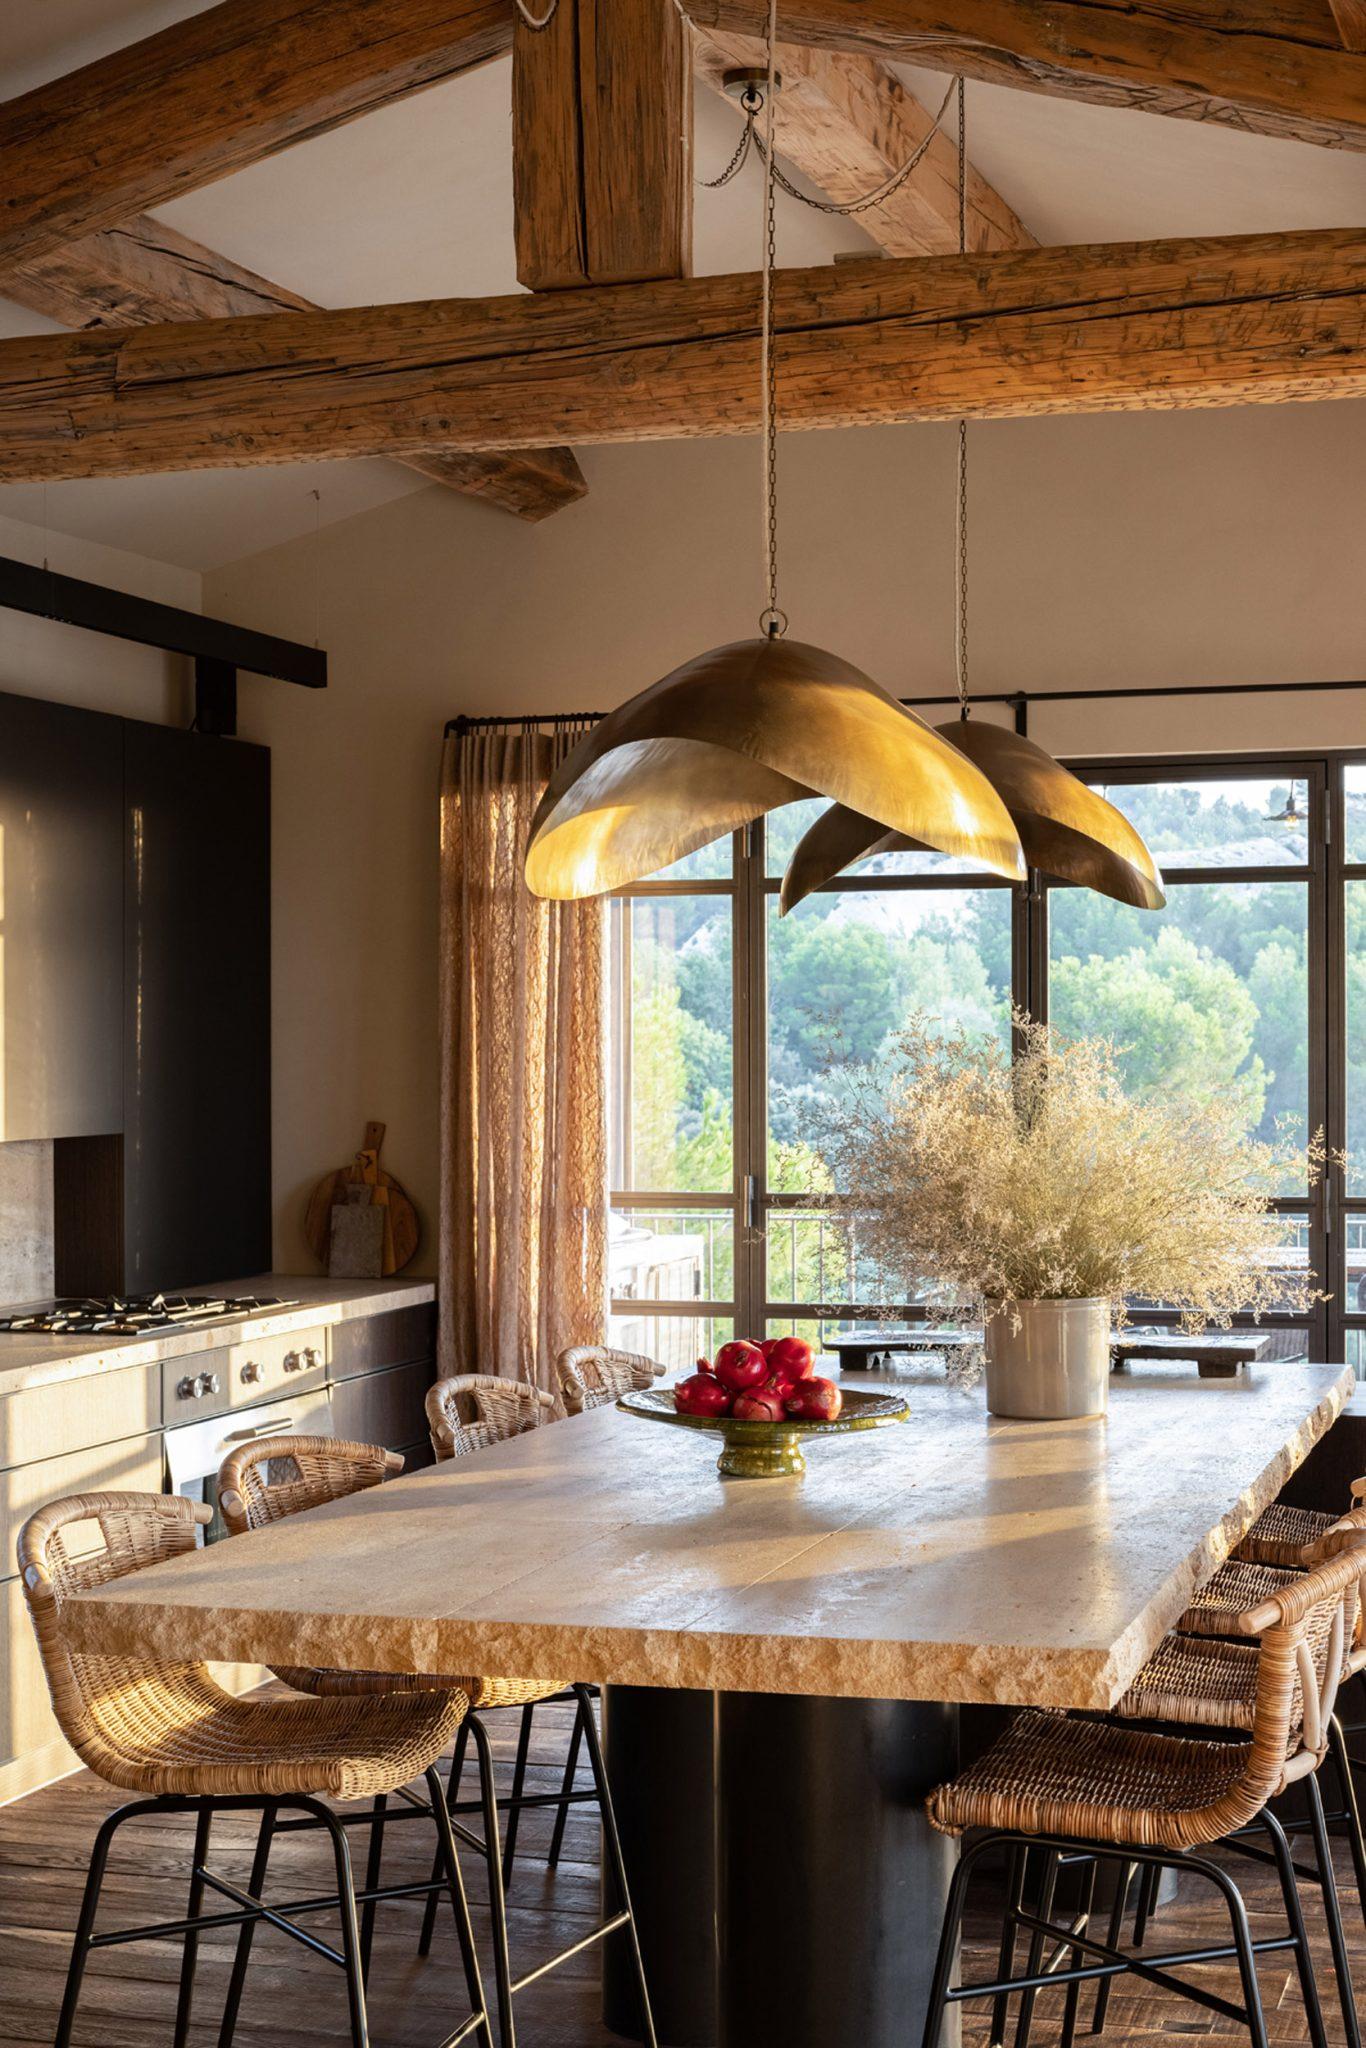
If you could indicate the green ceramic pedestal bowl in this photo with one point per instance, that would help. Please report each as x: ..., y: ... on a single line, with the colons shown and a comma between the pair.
x: 768, y: 1450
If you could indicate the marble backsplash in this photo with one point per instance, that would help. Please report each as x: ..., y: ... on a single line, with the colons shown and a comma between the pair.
x: 26, y: 1221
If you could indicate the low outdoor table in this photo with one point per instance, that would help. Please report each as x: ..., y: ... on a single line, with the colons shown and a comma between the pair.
x: 783, y: 1659
x: 1218, y: 1354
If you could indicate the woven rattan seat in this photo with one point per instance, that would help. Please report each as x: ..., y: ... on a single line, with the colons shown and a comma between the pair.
x: 267, y: 1481
x: 1285, y: 1537
x: 1196, y: 1681
x: 170, y: 1727
x: 1102, y: 1781
x: 592, y: 1375
x: 1052, y: 1775
x: 472, y: 1410
x: 1234, y: 1588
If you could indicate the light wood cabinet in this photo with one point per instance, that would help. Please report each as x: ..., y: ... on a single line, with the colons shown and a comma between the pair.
x: 71, y: 1415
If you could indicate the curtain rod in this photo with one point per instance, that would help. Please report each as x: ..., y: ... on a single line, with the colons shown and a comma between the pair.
x: 1018, y: 698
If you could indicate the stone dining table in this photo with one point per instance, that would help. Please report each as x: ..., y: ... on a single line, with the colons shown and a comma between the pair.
x: 783, y: 1660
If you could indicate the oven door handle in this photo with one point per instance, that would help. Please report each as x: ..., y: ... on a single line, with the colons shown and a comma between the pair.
x: 245, y: 1436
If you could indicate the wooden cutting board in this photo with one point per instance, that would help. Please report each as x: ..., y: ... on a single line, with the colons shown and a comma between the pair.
x: 401, y: 1231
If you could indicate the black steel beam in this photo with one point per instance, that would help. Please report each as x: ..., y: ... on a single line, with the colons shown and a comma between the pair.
x: 24, y: 587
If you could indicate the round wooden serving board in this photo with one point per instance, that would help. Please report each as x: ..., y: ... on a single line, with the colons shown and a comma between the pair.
x: 402, y: 1234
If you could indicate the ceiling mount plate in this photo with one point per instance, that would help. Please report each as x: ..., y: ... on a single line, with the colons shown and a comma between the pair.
x: 747, y: 78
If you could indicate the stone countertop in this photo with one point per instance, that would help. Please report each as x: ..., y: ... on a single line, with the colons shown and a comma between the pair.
x: 33, y: 1360
x: 956, y: 1556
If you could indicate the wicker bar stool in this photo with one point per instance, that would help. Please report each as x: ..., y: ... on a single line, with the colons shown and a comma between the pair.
x: 471, y: 1410
x: 169, y: 1732
x: 1096, y: 1789
x: 592, y: 1375
x: 266, y: 1481
x: 468, y: 1412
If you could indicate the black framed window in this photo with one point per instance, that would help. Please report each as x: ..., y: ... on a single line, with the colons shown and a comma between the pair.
x: 1251, y: 983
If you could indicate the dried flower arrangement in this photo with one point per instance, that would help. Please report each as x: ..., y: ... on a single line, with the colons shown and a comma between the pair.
x: 997, y: 1181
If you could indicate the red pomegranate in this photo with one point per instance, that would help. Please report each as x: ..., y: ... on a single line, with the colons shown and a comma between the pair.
x: 740, y: 1365
x: 789, y: 1358
x: 813, y: 1400
x: 701, y: 1394
x: 760, y: 1404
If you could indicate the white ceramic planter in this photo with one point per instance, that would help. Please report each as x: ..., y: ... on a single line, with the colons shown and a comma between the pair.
x: 1049, y: 1360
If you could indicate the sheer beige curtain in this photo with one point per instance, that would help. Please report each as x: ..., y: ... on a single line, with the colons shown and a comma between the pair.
x: 523, y: 1262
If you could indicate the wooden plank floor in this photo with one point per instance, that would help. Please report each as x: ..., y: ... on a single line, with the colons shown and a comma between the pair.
x: 293, y: 2001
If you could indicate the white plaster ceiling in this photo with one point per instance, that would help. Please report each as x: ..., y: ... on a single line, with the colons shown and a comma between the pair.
x: 415, y: 201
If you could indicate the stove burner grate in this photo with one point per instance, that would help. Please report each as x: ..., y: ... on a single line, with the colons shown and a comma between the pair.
x: 133, y: 1315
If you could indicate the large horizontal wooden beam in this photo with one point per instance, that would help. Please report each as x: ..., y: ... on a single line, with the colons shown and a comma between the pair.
x: 1273, y: 67
x: 212, y: 93
x: 145, y: 271
x: 1114, y: 327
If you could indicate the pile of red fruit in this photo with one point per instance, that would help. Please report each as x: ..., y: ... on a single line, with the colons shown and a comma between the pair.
x: 774, y: 1381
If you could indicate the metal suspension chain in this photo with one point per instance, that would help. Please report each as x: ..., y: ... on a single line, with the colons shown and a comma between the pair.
x: 960, y: 649
x: 752, y: 101
x: 772, y: 620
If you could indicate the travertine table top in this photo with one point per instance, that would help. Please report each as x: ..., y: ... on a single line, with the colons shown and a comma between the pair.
x: 955, y: 1557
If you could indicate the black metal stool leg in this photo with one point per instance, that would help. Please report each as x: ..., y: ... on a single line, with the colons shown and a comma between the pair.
x: 1085, y: 1908
x: 1242, y: 1942
x: 85, y: 1926
x: 502, y: 1965
x: 518, y: 1786
x: 455, y: 1886
x: 350, y: 1922
x: 1048, y: 1885
x: 374, y: 1863
x: 571, y: 1771
x: 1294, y: 1913
x: 615, y: 1861
x: 1017, y: 1860
x: 1342, y: 1968
x: 1342, y: 1763
x: 1112, y: 1935
x: 256, y: 1886
x: 189, y: 1954
x: 1148, y: 1887
x: 948, y: 1937
x: 457, y: 1772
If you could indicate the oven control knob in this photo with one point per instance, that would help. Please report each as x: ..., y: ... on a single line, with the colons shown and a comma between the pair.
x: 208, y: 1383
x: 311, y: 1356
x: 252, y: 1373
x: 187, y: 1390
x: 293, y: 1362
x: 195, y: 1389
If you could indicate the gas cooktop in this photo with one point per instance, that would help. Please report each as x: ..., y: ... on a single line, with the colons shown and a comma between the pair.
x: 133, y: 1315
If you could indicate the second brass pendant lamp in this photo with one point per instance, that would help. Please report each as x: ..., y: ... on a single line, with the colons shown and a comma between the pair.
x: 1066, y: 829
x: 741, y: 729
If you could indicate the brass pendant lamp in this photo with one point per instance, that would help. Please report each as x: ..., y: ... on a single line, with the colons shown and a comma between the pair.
x: 741, y: 729
x: 1065, y: 828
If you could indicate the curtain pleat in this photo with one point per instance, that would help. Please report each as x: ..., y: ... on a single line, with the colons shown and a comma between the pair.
x: 523, y: 1255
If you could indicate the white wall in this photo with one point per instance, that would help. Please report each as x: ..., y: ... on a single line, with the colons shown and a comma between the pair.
x: 1144, y: 548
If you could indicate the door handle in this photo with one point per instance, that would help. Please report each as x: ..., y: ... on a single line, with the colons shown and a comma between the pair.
x: 245, y: 1436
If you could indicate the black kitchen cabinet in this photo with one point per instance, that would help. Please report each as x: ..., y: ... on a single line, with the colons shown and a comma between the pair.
x: 61, y: 920
x: 196, y: 1049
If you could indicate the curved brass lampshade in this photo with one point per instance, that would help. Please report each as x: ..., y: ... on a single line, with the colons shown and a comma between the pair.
x: 733, y: 734
x: 1064, y: 826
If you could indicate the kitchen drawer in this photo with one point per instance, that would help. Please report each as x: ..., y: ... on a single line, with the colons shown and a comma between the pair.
x: 383, y: 1407
x: 71, y: 1415
x: 133, y: 1466
x: 254, y: 1370
x: 401, y: 1336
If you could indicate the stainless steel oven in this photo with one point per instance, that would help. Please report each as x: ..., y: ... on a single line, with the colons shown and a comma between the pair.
x: 195, y: 1450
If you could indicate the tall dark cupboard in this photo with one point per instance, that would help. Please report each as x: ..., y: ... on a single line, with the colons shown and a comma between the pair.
x: 135, y: 991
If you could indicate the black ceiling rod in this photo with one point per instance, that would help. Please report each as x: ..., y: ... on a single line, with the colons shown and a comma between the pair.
x: 25, y: 587
x: 215, y: 696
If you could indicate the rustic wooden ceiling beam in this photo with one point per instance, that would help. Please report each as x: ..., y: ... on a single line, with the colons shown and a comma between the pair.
x: 1272, y: 67
x: 1113, y: 327
x: 144, y: 271
x: 1350, y: 16
x: 847, y: 124
x: 213, y: 93
x: 602, y: 144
